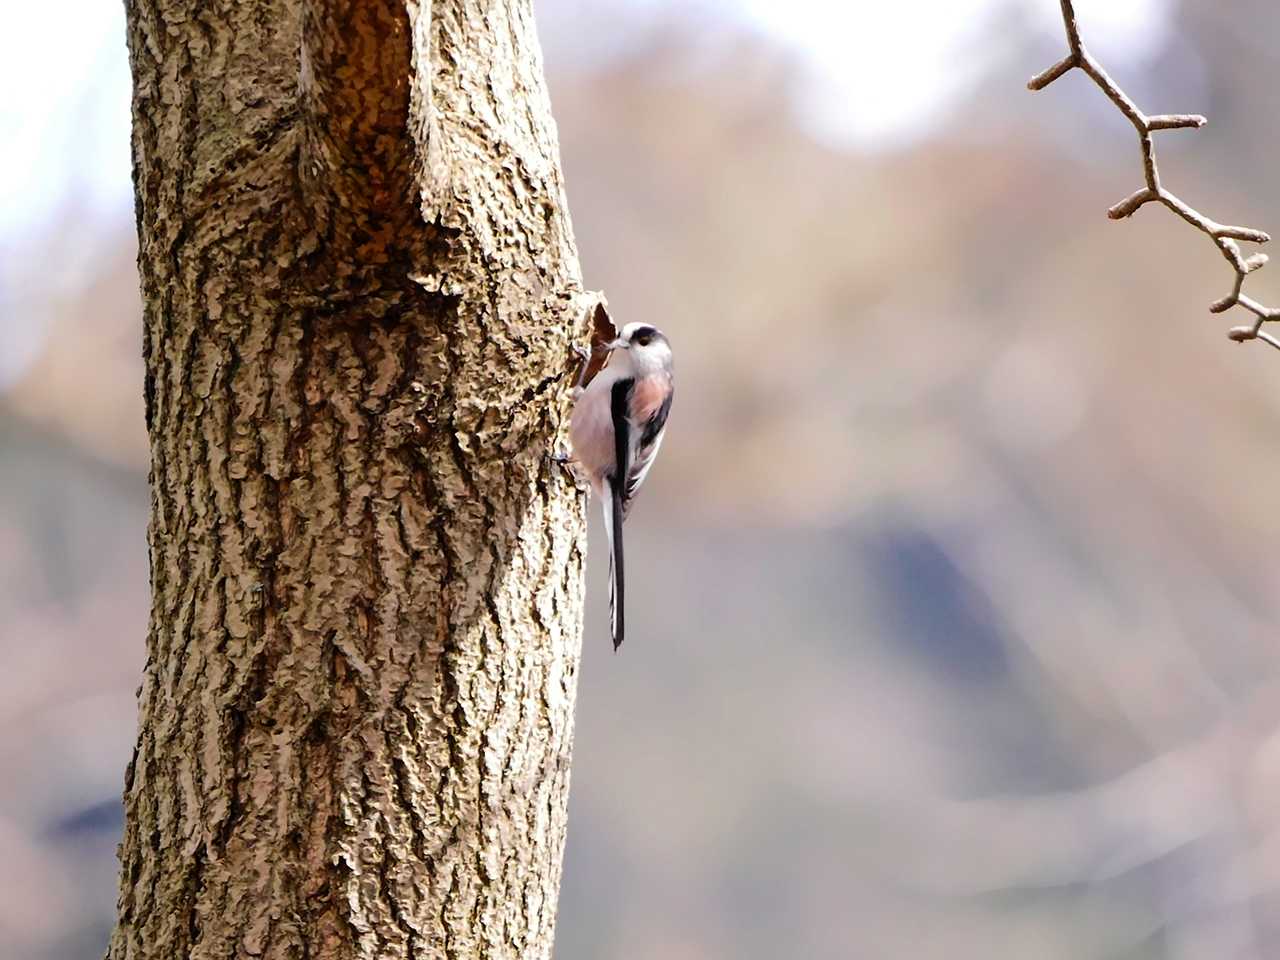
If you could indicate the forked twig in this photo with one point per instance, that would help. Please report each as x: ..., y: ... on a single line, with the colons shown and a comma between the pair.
x: 1224, y: 236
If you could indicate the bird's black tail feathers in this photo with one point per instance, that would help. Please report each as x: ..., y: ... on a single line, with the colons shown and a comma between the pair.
x: 617, y: 586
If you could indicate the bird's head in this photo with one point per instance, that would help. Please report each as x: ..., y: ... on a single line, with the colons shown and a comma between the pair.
x: 642, y: 348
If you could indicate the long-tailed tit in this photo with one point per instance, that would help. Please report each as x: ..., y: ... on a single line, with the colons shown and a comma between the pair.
x: 616, y: 430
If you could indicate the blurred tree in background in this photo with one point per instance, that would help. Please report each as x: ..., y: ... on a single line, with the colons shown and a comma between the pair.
x: 358, y: 294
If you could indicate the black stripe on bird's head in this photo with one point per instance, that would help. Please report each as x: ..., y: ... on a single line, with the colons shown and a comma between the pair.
x: 642, y: 335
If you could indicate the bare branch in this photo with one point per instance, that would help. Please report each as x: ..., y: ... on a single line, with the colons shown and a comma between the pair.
x: 1128, y: 206
x: 1042, y: 80
x: 1175, y: 121
x: 1223, y: 235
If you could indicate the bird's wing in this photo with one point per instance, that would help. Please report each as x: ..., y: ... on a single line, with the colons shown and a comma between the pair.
x: 614, y: 507
x: 651, y: 436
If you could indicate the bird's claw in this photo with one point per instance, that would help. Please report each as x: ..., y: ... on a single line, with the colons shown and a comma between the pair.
x: 584, y: 355
x: 564, y: 460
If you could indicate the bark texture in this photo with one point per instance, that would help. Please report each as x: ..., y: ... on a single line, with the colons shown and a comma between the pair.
x: 356, y: 713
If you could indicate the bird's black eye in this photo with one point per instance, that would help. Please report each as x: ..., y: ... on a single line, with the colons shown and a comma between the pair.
x: 644, y: 339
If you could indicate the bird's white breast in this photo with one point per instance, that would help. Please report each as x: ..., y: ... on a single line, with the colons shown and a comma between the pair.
x: 591, y: 427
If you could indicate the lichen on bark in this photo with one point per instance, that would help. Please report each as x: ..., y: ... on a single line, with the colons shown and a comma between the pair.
x: 355, y: 719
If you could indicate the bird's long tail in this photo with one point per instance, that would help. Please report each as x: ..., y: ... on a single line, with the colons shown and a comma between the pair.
x: 613, y: 528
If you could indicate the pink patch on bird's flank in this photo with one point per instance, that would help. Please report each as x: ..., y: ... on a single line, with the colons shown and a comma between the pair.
x: 648, y: 396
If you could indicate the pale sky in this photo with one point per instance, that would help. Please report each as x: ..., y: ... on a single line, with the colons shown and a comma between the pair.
x: 890, y: 67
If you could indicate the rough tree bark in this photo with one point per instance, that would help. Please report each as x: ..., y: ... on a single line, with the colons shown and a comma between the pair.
x: 356, y: 713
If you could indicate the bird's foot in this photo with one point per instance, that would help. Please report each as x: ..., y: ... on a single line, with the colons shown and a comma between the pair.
x: 564, y: 460
x: 584, y: 355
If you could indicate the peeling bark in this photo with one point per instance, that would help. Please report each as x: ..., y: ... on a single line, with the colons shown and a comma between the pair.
x: 358, y: 270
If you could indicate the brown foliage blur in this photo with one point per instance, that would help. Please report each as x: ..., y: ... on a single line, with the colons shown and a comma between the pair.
x: 955, y: 589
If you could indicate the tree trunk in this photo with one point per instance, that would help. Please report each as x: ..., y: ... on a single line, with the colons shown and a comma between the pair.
x: 359, y: 275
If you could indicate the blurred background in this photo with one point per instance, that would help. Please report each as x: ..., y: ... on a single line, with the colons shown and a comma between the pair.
x: 959, y: 568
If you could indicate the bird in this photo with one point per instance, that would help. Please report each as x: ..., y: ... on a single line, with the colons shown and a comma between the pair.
x: 616, y: 430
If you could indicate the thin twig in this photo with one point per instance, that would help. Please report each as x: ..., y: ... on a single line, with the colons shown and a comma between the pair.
x: 1224, y: 236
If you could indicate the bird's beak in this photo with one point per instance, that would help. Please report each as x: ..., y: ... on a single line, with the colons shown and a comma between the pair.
x: 618, y: 344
